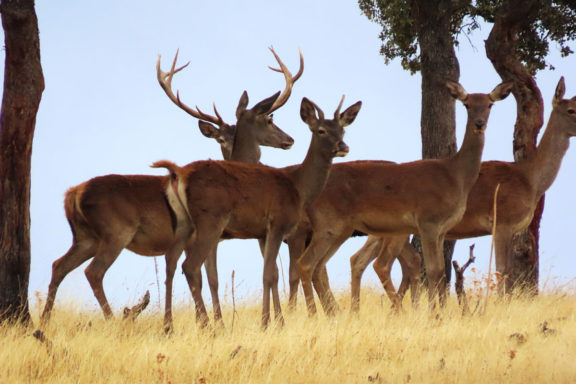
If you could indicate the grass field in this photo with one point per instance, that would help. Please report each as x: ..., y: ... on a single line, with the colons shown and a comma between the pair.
x: 523, y: 341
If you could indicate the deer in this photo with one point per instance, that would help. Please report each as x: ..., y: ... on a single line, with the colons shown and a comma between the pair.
x: 233, y: 200
x: 114, y: 212
x: 522, y: 185
x: 427, y: 197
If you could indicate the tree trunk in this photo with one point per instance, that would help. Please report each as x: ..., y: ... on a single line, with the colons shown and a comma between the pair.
x: 513, y: 17
x: 438, y: 64
x: 23, y: 86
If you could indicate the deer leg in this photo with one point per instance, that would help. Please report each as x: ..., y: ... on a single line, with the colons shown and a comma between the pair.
x: 79, y: 252
x: 503, y: 254
x: 382, y: 266
x: 212, y: 274
x: 270, y: 279
x: 97, y: 269
x: 296, y: 246
x: 434, y: 264
x: 305, y: 265
x: 320, y: 276
x: 172, y: 257
x: 191, y: 269
x: 205, y: 242
x: 410, y: 263
x: 358, y: 264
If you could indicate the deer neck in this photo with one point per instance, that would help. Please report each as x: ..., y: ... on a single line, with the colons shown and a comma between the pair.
x: 310, y: 177
x: 246, y: 148
x: 543, y: 166
x: 467, y: 160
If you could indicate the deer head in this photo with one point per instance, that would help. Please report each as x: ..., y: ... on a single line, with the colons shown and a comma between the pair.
x: 329, y: 132
x: 565, y: 109
x: 257, y: 126
x: 476, y: 103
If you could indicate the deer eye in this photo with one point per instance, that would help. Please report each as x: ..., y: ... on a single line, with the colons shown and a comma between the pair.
x: 321, y: 131
x: 571, y: 111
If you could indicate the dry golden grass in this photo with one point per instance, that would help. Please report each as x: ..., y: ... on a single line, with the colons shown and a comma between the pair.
x: 508, y: 343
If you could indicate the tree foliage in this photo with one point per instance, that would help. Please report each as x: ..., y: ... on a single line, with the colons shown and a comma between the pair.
x: 555, y: 23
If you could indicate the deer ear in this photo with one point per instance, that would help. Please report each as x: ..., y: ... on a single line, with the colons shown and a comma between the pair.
x: 456, y: 90
x: 264, y: 106
x: 308, y: 112
x: 349, y: 115
x: 559, y: 93
x: 501, y: 91
x: 242, y: 104
x: 209, y: 130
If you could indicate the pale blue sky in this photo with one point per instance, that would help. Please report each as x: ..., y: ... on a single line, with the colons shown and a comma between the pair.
x: 103, y: 112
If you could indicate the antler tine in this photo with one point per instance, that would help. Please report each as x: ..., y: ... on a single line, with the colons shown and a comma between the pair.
x: 337, y: 112
x: 216, y: 112
x: 290, y: 80
x: 216, y: 120
x: 165, y: 81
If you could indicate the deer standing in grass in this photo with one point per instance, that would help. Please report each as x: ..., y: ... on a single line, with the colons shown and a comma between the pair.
x: 110, y: 213
x: 522, y: 184
x: 381, y: 198
x: 233, y: 200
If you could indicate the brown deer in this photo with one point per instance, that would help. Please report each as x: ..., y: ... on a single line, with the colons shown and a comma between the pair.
x: 110, y: 213
x: 522, y: 184
x: 426, y: 197
x: 233, y: 200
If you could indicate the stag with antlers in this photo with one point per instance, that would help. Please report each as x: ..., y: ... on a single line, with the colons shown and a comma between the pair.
x: 232, y: 200
x: 114, y: 212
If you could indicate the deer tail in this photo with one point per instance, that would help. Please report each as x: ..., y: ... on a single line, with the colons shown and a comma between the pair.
x: 176, y: 191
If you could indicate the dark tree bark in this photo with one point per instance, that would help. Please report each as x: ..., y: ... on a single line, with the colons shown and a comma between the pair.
x: 23, y: 86
x: 513, y: 17
x: 438, y: 64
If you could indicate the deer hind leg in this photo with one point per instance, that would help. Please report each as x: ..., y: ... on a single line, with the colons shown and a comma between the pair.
x: 270, y: 279
x: 205, y: 242
x: 320, y: 276
x: 410, y: 263
x: 503, y: 253
x: 296, y: 246
x: 212, y: 275
x: 305, y: 265
x: 358, y: 264
x: 79, y: 252
x: 383, y: 266
x: 107, y: 254
x: 172, y: 257
x: 434, y: 264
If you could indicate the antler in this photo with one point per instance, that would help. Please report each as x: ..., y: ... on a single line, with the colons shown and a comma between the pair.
x: 337, y: 112
x: 165, y: 81
x: 290, y: 80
